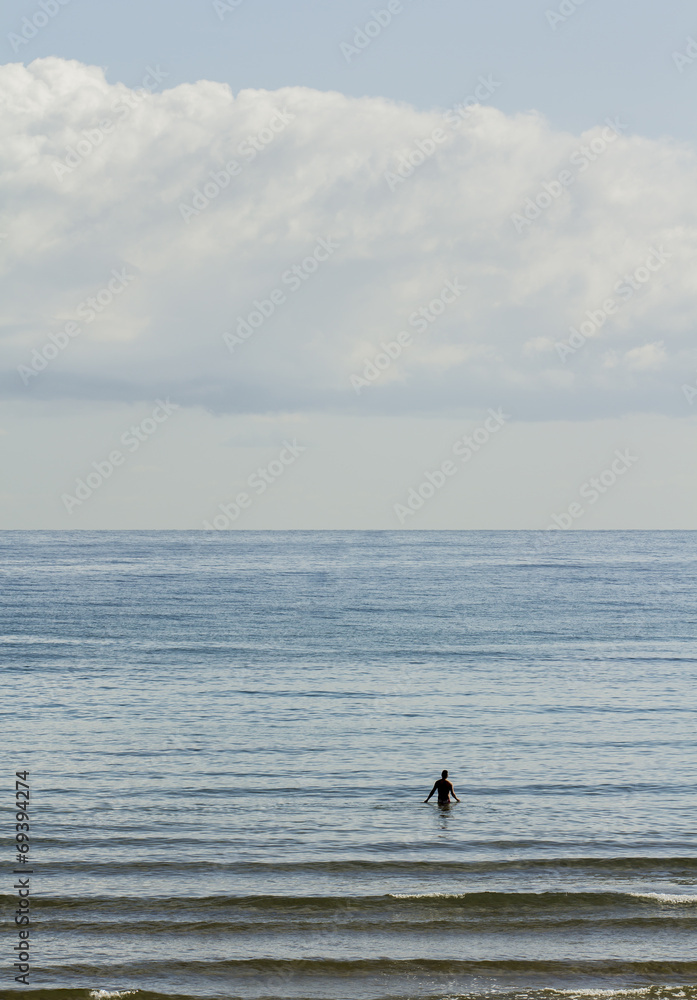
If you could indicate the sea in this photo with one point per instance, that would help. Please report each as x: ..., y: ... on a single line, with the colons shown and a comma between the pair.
x: 228, y: 739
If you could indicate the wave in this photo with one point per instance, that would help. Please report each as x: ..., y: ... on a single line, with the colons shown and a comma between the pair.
x: 480, y: 901
x: 294, y: 968
x: 550, y: 900
x: 648, y: 866
x: 85, y: 993
x: 680, y: 991
x: 340, y: 930
x: 667, y: 897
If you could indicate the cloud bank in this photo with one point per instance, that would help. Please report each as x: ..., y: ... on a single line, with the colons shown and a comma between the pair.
x: 305, y: 251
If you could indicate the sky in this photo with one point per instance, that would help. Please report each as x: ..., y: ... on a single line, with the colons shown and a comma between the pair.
x: 396, y: 266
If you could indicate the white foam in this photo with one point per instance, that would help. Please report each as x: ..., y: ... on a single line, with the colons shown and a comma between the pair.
x: 665, y: 897
x: 627, y: 992
x: 111, y: 994
x: 671, y: 992
x: 660, y: 897
x: 428, y: 895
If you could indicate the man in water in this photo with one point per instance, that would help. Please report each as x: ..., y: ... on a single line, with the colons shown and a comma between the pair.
x: 445, y: 788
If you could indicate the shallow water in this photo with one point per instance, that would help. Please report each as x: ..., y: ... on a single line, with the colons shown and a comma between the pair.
x: 230, y: 737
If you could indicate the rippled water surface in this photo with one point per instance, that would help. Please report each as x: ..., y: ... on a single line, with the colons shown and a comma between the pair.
x: 230, y: 737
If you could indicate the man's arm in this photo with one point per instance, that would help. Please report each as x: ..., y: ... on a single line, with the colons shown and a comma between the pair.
x: 452, y: 789
x: 431, y: 792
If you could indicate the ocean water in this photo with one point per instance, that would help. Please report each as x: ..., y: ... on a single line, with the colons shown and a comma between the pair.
x: 230, y: 737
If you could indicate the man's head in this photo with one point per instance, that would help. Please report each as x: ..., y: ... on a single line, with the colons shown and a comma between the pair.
x: 444, y: 774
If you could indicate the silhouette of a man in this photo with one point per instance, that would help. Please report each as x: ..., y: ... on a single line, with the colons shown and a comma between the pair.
x: 445, y: 789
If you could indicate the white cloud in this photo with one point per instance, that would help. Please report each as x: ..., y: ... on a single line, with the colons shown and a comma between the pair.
x: 538, y: 345
x: 647, y: 358
x: 322, y: 175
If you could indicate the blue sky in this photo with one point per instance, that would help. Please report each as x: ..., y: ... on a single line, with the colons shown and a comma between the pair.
x: 607, y: 58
